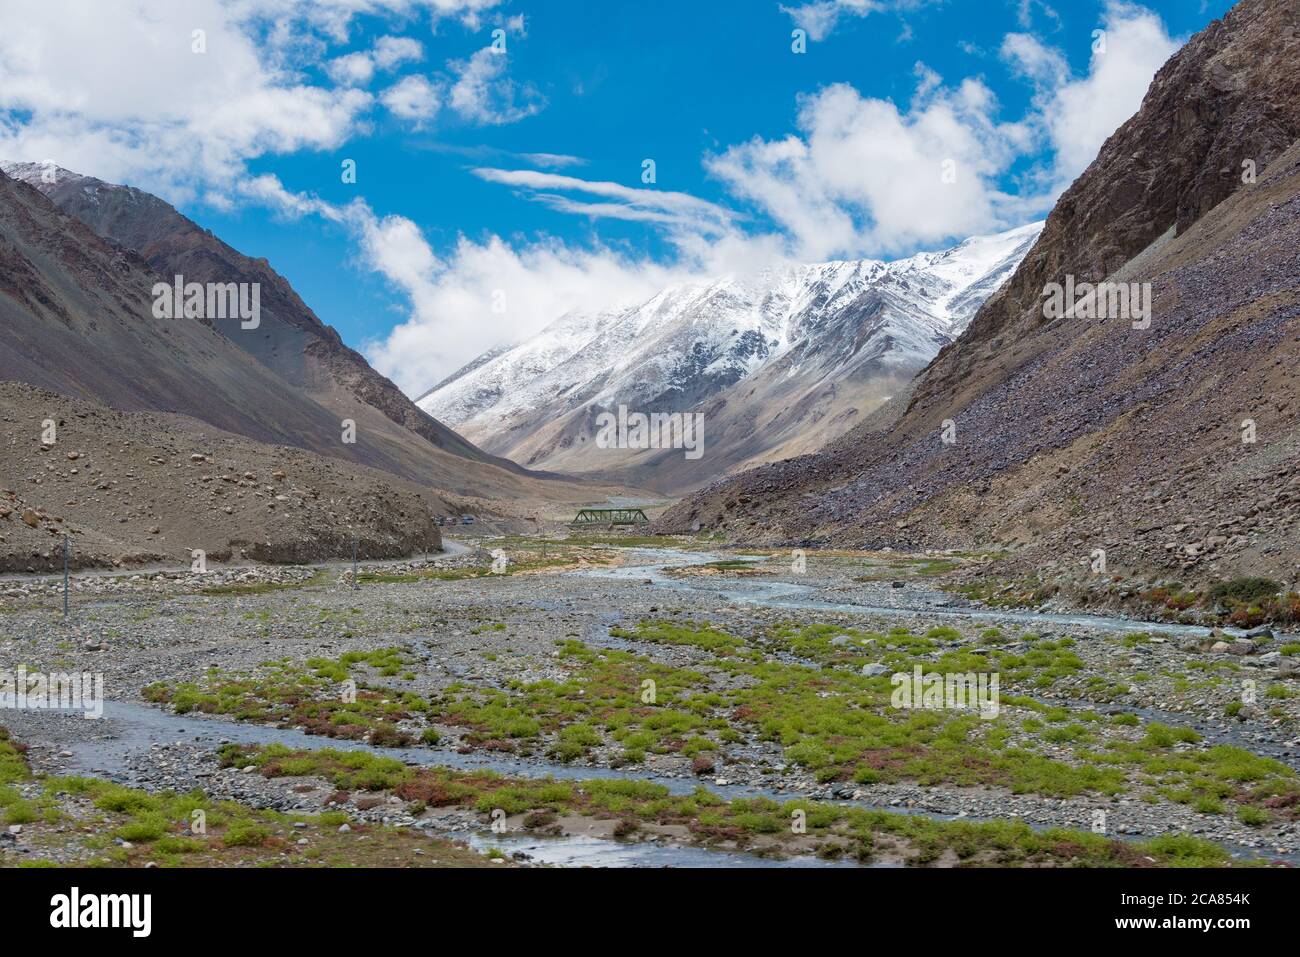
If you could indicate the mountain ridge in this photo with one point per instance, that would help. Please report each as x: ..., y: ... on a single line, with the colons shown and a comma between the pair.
x: 843, y: 335
x: 293, y: 342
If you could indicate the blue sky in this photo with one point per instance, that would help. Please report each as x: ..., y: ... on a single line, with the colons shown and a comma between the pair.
x: 479, y: 172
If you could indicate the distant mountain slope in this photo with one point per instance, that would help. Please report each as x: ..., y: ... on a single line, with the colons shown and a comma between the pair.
x: 291, y: 340
x: 777, y: 362
x: 1077, y: 434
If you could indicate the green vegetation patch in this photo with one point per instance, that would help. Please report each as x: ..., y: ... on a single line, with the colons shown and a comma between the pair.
x: 290, y: 695
x: 611, y: 695
x: 758, y: 824
x: 829, y: 717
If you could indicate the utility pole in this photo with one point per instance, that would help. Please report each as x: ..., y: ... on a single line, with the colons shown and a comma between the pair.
x: 65, y: 576
x: 354, y: 563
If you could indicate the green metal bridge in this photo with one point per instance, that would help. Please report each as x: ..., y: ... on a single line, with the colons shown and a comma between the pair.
x: 609, y: 517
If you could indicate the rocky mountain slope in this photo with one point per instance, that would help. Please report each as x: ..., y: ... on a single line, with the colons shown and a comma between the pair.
x: 139, y: 487
x: 777, y: 362
x: 1074, y: 434
x: 291, y: 340
x: 77, y: 317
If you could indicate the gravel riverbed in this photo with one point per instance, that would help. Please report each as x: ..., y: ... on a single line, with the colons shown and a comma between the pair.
x: 489, y: 631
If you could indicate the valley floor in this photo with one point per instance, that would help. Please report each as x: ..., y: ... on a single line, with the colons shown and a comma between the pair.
x: 632, y: 702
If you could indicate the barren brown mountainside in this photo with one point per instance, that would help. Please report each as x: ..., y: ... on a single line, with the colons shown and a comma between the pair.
x: 1075, y: 434
x: 140, y: 487
x: 291, y: 339
x: 76, y: 317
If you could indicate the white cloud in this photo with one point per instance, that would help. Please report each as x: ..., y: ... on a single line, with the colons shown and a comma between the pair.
x: 553, y: 160
x: 116, y: 88
x: 453, y: 299
x: 106, y: 89
x: 635, y: 214
x: 819, y: 18
x: 355, y: 69
x: 482, y: 153
x: 452, y: 316
x: 359, y: 68
x: 647, y: 205
x: 334, y: 17
x: 1077, y: 115
x: 394, y: 51
x: 267, y: 190
x: 477, y: 89
x: 1025, y: 12
x: 413, y: 98
x: 864, y: 174
x: 483, y: 94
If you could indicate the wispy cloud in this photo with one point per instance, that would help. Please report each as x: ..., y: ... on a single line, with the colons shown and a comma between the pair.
x: 552, y: 160
x: 482, y: 93
x: 647, y: 205
x: 484, y: 154
x: 1025, y: 12
x: 819, y: 18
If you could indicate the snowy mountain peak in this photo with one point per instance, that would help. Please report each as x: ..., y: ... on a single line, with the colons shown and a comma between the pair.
x: 834, y: 326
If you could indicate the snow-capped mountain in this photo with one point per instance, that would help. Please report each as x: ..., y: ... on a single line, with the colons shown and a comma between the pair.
x: 780, y: 361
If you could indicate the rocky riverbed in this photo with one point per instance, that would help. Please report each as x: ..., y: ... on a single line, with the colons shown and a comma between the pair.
x: 1131, y: 731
